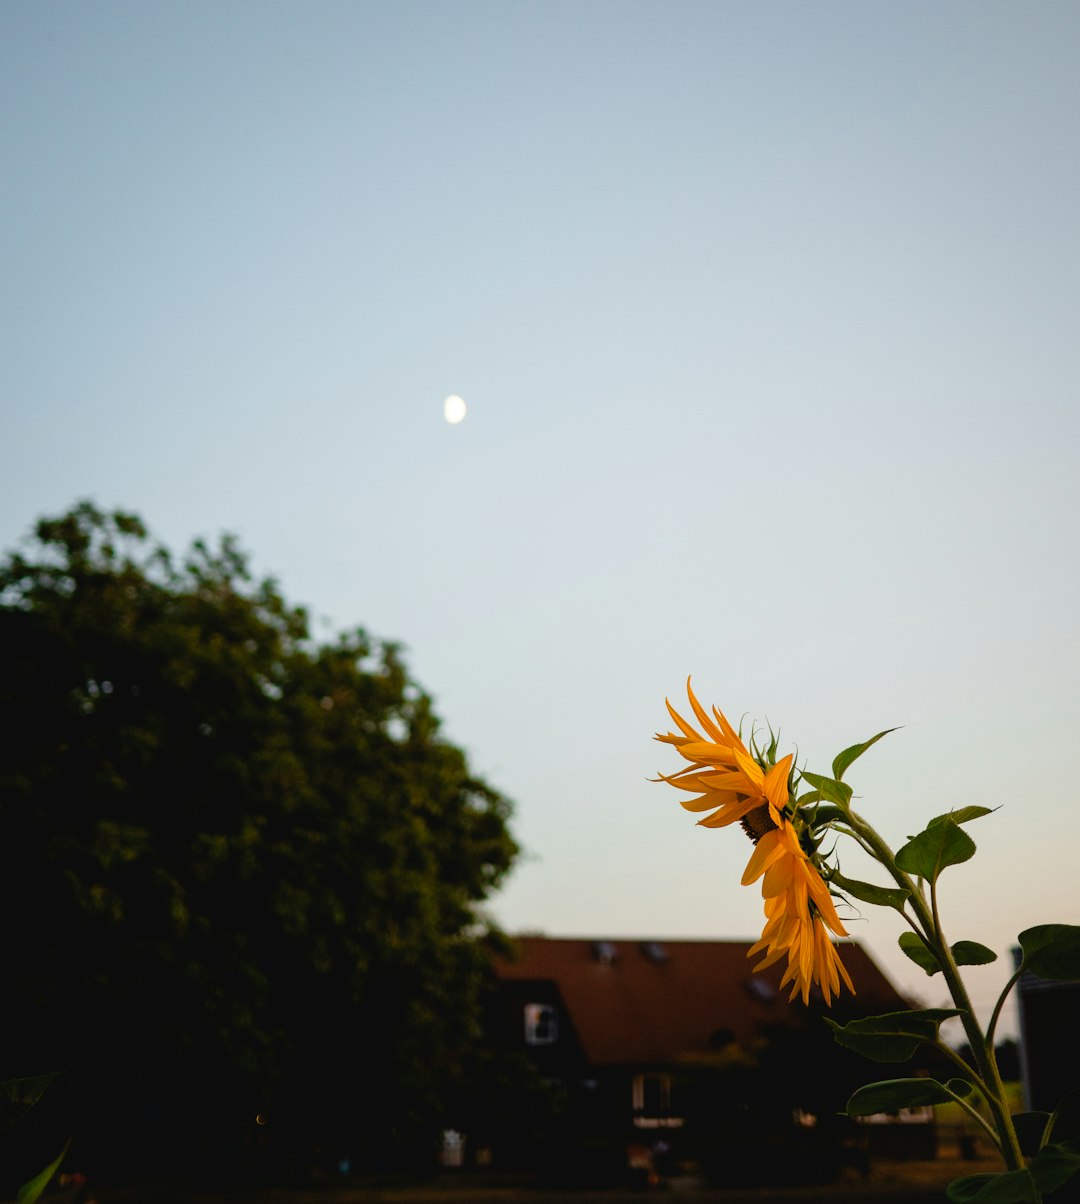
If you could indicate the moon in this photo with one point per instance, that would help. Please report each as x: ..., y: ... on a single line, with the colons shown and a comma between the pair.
x: 454, y: 409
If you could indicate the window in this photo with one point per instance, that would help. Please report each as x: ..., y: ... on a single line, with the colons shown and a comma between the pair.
x: 604, y: 952
x: 759, y: 989
x: 652, y: 1102
x: 921, y: 1115
x: 541, y: 1024
x: 453, y: 1148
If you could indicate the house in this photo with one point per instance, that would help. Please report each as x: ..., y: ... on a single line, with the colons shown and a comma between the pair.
x: 1049, y: 1038
x: 672, y: 1042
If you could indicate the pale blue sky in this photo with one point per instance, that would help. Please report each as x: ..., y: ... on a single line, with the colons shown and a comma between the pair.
x: 766, y: 315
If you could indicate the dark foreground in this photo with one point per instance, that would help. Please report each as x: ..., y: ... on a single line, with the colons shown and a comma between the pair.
x: 897, y: 1182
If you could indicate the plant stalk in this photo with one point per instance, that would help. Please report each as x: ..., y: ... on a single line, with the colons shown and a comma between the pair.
x: 984, y: 1058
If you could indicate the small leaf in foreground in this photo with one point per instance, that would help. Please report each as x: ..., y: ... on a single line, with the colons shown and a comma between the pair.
x: 31, y: 1190
x: 962, y: 815
x: 1052, y: 951
x: 891, y: 1095
x: 18, y: 1096
x: 1065, y: 1122
x: 893, y: 1037
x: 1009, y: 1187
x: 867, y: 892
x: 824, y: 814
x: 1053, y: 1166
x: 971, y: 953
x: 915, y: 947
x: 1030, y: 1127
x: 935, y: 848
x: 834, y: 791
x: 845, y: 759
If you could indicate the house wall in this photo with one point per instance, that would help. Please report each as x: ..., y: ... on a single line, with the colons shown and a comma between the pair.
x: 1049, y: 1040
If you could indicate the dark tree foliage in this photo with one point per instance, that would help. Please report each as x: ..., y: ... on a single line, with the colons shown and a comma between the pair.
x: 240, y: 869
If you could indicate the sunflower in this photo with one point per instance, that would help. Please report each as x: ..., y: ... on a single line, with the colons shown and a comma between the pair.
x: 734, y: 786
x: 799, y: 912
x: 722, y: 775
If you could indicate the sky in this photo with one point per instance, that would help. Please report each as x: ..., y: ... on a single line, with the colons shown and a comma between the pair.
x: 766, y: 320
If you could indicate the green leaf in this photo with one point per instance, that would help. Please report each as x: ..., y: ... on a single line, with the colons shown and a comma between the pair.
x: 960, y: 1087
x: 1008, y: 1187
x: 962, y: 815
x: 1052, y: 951
x: 844, y: 759
x: 834, y: 791
x: 971, y: 953
x: 1030, y: 1127
x: 866, y: 892
x: 1053, y: 1166
x: 18, y: 1096
x: 824, y: 814
x: 915, y: 947
x: 30, y: 1190
x: 891, y: 1038
x: 939, y: 845
x: 891, y: 1095
x: 1065, y: 1121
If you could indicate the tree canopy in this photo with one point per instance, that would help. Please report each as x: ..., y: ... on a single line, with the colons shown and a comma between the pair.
x: 242, y: 870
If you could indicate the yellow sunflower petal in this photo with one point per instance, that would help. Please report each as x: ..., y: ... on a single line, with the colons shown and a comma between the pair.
x: 766, y: 851
x: 729, y: 732
x: 819, y: 892
x: 825, y: 956
x: 703, y: 781
x: 728, y: 814
x: 683, y: 726
x: 843, y: 971
x: 674, y: 779
x: 710, y: 798
x: 751, y: 768
x: 775, y: 784
x: 769, y: 960
x: 778, y: 876
x: 703, y: 716
x: 791, y: 840
x: 708, y: 753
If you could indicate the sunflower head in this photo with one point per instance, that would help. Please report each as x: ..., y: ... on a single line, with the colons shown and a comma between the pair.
x: 756, y: 823
x: 726, y: 779
x: 731, y: 783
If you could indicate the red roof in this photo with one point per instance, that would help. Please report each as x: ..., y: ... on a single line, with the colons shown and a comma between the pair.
x: 655, y: 1000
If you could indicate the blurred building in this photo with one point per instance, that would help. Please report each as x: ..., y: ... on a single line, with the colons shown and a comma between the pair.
x: 652, y: 1041
x: 1049, y: 1038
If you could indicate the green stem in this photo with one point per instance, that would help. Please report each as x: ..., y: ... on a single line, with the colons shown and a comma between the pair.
x: 869, y: 849
x: 935, y: 940
x: 1001, y: 1003
x: 976, y: 1115
x: 969, y: 1072
x: 934, y: 907
x: 983, y: 1053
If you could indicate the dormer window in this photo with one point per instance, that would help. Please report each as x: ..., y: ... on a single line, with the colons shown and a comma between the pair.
x: 604, y: 952
x: 541, y: 1024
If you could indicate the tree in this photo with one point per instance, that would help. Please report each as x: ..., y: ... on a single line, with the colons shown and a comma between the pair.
x: 241, y: 869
